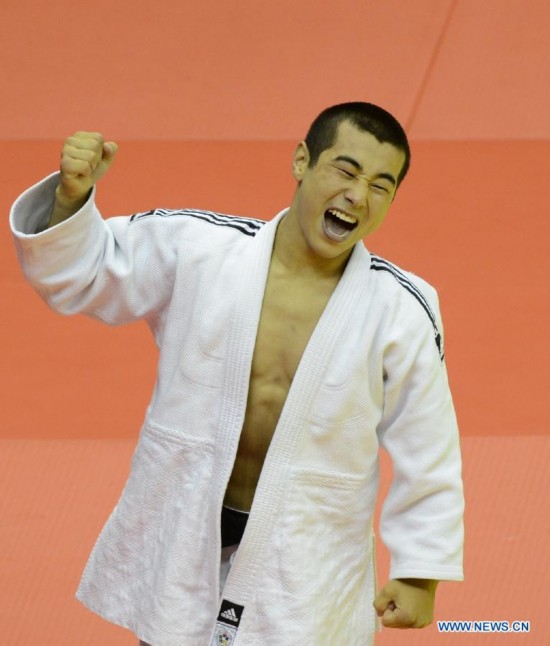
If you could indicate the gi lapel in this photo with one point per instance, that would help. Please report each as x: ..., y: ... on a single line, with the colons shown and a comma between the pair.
x: 270, y: 492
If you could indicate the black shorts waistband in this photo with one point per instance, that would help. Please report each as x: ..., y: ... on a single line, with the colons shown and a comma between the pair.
x: 233, y: 524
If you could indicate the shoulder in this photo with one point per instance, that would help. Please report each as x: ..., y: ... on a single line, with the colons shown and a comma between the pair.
x: 403, y: 280
x: 409, y: 295
x: 198, y: 220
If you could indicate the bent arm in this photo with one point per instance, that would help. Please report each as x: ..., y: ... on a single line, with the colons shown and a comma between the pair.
x: 111, y: 269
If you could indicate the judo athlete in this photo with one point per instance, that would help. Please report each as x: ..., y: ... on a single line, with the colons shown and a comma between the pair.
x: 288, y: 354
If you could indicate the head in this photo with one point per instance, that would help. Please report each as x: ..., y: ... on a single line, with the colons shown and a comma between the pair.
x: 347, y: 179
x: 366, y: 117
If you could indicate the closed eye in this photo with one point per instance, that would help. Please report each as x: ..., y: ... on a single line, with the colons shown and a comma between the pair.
x: 344, y: 172
x: 381, y: 188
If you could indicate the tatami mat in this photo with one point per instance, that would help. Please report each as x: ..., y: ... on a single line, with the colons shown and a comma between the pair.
x: 58, y: 493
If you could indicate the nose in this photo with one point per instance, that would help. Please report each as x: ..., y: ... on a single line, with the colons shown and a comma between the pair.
x: 356, y: 193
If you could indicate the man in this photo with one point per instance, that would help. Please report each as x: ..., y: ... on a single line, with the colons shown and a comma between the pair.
x: 288, y: 354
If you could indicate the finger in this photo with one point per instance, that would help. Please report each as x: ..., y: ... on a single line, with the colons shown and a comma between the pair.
x: 89, y: 150
x: 390, y: 619
x: 110, y: 149
x: 382, y: 601
x: 85, y: 154
x: 86, y: 141
x: 396, y: 618
x: 389, y: 608
x: 88, y: 134
x: 78, y: 162
x: 75, y: 168
x: 380, y: 604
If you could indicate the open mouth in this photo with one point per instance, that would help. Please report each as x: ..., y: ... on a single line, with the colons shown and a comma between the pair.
x: 338, y: 225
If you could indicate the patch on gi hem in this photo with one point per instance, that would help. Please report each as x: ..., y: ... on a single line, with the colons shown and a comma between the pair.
x: 227, y: 623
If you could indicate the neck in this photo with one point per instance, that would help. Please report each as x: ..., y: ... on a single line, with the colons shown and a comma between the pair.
x: 291, y: 251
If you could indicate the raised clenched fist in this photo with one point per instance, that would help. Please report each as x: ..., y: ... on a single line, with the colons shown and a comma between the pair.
x: 84, y: 159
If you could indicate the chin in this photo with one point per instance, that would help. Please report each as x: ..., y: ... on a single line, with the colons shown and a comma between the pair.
x: 333, y: 252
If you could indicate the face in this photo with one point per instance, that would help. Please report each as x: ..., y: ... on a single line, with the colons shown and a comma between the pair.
x: 346, y: 195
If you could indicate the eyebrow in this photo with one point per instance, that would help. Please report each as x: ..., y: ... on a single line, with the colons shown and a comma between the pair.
x: 357, y: 166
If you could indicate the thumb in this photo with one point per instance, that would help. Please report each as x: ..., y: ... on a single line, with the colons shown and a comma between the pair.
x: 394, y: 617
x: 110, y: 149
x: 382, y: 602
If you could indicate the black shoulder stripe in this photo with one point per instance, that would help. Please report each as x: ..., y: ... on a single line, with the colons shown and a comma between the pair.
x: 224, y: 217
x: 248, y: 226
x: 379, y: 264
x: 144, y: 214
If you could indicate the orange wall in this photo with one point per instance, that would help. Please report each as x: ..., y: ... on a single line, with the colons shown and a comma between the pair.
x: 246, y: 69
x: 472, y: 218
x: 207, y: 101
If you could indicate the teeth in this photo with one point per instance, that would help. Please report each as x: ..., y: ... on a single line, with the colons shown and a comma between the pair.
x: 343, y: 216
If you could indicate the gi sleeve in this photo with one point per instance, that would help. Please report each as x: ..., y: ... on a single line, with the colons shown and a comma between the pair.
x: 108, y: 269
x: 421, y: 519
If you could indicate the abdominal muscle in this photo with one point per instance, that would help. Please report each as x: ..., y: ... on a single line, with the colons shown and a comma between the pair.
x: 290, y: 312
x: 291, y: 309
x: 265, y: 403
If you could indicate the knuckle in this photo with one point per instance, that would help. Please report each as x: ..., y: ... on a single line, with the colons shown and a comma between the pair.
x: 66, y: 161
x: 70, y: 142
x: 85, y: 139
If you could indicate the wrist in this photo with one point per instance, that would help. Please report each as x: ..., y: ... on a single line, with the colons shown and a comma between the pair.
x: 70, y: 202
x: 65, y: 206
x: 425, y: 584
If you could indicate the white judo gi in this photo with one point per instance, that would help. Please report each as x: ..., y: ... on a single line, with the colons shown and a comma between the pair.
x: 373, y: 373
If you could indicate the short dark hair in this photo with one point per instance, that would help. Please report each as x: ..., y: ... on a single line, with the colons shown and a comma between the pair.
x: 364, y: 116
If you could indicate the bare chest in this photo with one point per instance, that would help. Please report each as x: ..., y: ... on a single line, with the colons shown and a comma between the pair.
x: 289, y: 316
x: 291, y: 310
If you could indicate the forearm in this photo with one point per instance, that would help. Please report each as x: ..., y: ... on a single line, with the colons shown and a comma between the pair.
x: 64, y: 207
x: 88, y: 265
x: 421, y: 518
x: 61, y: 263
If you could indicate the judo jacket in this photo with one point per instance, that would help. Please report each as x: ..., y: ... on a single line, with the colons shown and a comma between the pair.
x: 373, y: 374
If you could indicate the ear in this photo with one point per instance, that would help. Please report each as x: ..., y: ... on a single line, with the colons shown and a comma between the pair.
x: 300, y: 161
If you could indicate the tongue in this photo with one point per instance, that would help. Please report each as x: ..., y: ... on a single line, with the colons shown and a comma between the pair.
x: 334, y: 229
